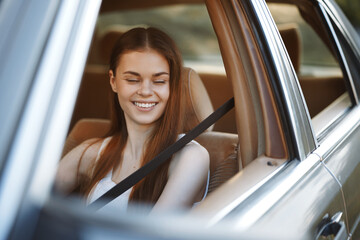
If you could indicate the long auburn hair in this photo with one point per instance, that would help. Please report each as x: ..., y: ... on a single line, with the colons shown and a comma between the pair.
x: 166, y: 129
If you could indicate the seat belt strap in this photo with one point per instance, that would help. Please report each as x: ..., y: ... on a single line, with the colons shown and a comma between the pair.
x: 161, y: 158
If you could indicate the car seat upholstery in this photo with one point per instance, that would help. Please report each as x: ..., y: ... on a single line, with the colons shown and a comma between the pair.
x: 220, y: 90
x: 221, y: 146
x: 196, y: 101
x: 93, y: 97
x: 84, y: 129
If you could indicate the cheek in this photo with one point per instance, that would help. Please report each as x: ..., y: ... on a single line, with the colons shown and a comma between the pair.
x: 124, y: 94
x: 125, y: 90
x: 166, y: 93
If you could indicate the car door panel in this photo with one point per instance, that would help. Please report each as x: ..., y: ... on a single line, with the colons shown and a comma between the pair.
x: 339, y: 148
x: 300, y: 211
x: 344, y: 163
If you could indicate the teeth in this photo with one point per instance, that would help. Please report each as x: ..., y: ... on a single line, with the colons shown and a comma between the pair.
x: 144, y: 105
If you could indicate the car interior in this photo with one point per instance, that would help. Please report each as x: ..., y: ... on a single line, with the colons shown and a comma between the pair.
x: 248, y: 143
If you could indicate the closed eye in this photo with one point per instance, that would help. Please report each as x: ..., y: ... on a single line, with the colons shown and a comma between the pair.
x: 132, y: 80
x: 159, y: 81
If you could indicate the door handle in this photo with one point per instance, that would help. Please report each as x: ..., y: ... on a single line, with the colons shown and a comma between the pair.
x: 332, y: 228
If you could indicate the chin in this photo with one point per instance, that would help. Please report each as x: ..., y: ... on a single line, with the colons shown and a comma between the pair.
x: 143, y: 121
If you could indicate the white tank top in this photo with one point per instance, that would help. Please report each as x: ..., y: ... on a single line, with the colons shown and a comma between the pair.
x: 105, y: 184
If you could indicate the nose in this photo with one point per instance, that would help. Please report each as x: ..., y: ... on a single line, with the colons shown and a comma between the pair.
x: 145, y: 88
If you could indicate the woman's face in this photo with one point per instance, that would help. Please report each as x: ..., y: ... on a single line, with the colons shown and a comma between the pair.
x: 142, y: 85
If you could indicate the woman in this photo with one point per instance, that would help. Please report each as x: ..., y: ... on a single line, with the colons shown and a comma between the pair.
x: 144, y: 74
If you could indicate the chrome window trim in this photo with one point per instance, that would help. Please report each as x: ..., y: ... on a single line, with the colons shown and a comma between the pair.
x: 336, y: 111
x: 40, y: 136
x: 347, y: 31
x: 336, y: 14
x: 344, y: 129
x: 331, y: 125
x: 298, y: 115
x: 340, y: 50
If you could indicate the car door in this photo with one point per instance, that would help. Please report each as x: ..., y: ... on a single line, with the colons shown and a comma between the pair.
x: 335, y: 126
x: 339, y: 149
x: 303, y: 195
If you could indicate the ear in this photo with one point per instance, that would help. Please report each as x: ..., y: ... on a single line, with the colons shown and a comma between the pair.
x: 112, y: 81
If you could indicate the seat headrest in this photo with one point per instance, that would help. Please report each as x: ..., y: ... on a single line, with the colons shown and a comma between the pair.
x: 108, y: 39
x: 197, y: 104
x: 85, y: 129
x: 291, y: 37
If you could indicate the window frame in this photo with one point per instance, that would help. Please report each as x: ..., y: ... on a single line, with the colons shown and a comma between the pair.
x: 320, y: 129
x: 333, y: 31
x: 290, y: 101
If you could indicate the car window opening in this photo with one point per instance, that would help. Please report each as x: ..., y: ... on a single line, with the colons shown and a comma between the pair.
x: 315, y: 63
x: 202, y: 87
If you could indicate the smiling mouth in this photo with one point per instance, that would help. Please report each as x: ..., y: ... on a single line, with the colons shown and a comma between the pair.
x: 145, y: 105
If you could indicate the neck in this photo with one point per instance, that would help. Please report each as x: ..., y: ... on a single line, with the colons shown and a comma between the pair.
x: 137, y: 137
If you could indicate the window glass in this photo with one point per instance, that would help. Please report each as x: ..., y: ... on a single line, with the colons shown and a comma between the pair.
x: 315, y: 61
x: 315, y: 57
x: 188, y: 25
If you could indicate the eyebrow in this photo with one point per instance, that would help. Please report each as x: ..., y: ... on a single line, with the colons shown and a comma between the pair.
x: 154, y: 75
x: 160, y: 73
x: 132, y: 73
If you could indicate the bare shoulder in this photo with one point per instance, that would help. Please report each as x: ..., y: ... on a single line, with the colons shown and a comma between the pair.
x: 187, y: 178
x: 91, y: 147
x: 196, y: 150
x: 78, y: 160
x: 87, y: 148
x: 191, y: 155
x: 86, y: 152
